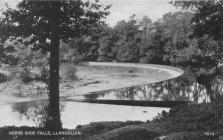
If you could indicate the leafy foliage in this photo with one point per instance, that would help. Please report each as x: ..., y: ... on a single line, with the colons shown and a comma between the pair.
x: 34, y: 18
x: 25, y: 75
x: 202, y: 117
x: 207, y: 35
x: 69, y: 72
x: 3, y: 77
x: 121, y: 43
x: 208, y: 16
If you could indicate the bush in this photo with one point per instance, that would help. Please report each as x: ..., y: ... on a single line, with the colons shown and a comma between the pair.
x: 44, y: 75
x: 69, y: 73
x: 202, y: 117
x: 3, y: 77
x: 25, y: 75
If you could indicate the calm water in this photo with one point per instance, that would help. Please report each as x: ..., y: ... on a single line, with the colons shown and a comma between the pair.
x: 34, y: 113
x: 183, y: 88
x: 73, y: 113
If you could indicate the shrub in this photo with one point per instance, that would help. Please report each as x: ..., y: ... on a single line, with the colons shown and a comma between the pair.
x: 69, y: 73
x: 44, y: 75
x: 3, y: 77
x: 26, y: 75
x: 201, y: 117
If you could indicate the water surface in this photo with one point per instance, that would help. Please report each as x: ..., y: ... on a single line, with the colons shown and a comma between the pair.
x: 34, y: 113
x: 183, y: 88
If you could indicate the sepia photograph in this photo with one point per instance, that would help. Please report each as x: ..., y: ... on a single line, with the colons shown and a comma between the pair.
x: 111, y: 69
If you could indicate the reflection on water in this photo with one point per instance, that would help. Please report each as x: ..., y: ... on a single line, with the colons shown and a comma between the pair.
x: 184, y: 88
x: 35, y: 113
x: 73, y: 113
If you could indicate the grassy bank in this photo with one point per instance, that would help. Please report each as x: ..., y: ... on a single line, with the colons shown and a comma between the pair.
x: 204, y: 121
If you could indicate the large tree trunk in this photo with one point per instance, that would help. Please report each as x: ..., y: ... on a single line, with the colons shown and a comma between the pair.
x: 54, y: 121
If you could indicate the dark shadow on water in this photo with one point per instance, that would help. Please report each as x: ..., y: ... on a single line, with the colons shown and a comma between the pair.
x: 183, y: 88
x: 37, y: 113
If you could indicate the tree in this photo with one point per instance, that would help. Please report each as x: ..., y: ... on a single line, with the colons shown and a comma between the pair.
x: 48, y: 22
x: 128, y: 52
x: 107, y: 45
x: 166, y: 38
x: 120, y: 43
x: 145, y: 24
x: 4, y: 33
x: 207, y: 29
x: 127, y: 46
x: 208, y: 16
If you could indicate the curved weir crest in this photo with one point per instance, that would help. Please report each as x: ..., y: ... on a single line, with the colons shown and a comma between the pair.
x: 90, y: 97
x: 175, y: 72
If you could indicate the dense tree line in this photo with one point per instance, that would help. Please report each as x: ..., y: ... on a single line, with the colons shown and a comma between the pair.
x: 144, y: 41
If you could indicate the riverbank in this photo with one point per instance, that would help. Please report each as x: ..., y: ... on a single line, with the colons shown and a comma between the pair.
x: 195, y: 122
